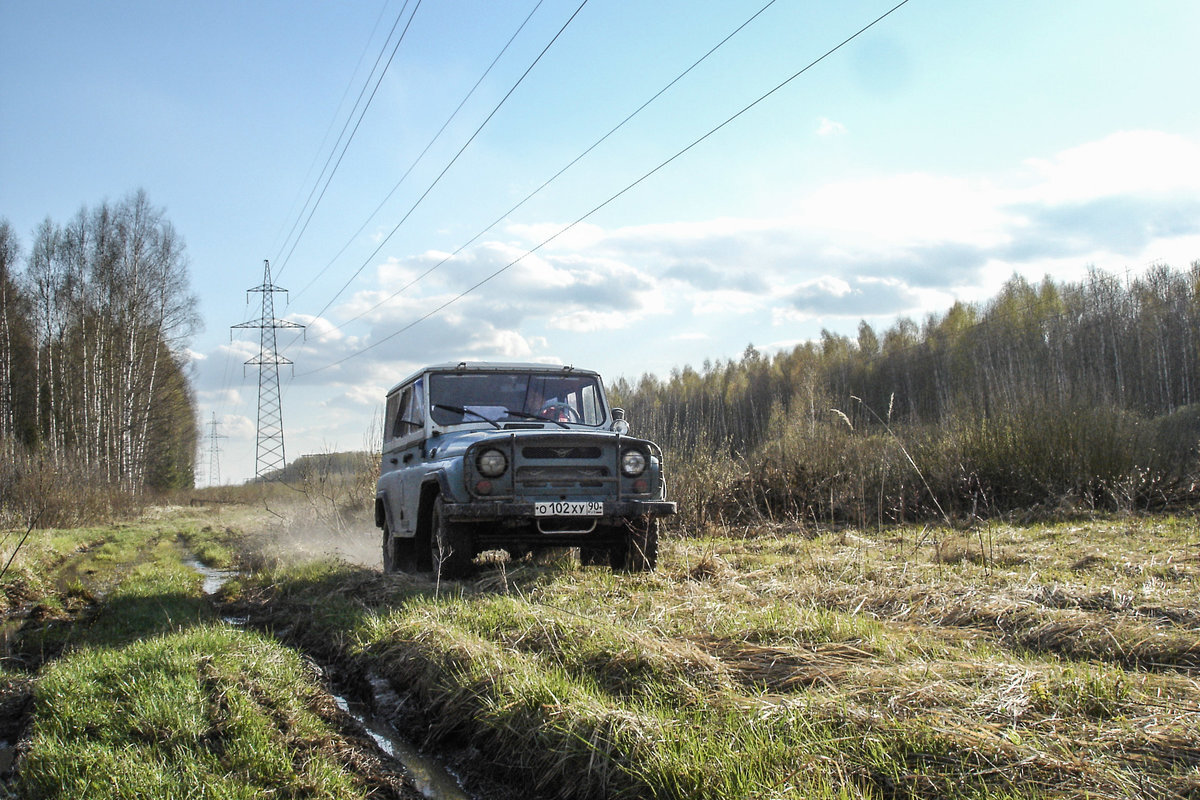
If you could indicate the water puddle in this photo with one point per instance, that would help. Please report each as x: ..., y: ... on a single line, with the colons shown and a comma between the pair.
x: 214, y: 578
x: 430, y: 777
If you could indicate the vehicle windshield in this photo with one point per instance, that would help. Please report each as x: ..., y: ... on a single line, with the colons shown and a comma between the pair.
x: 464, y: 397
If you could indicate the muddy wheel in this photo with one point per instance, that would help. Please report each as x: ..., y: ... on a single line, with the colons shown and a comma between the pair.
x: 639, y: 550
x: 389, y: 552
x: 389, y: 545
x: 399, y: 553
x: 451, y: 549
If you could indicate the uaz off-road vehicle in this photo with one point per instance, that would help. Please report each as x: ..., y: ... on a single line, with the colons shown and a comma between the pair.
x: 515, y: 457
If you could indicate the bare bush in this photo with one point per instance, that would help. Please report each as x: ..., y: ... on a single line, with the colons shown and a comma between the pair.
x: 42, y: 490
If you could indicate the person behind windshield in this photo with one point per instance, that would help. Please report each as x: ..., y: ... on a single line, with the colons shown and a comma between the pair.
x: 551, y: 408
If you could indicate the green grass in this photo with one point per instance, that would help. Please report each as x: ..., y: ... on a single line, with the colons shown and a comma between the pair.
x: 1007, y: 661
x: 1033, y: 662
x: 139, y: 692
x: 207, y: 713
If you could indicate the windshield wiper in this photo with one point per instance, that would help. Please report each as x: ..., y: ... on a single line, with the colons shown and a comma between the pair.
x: 538, y: 417
x: 465, y: 411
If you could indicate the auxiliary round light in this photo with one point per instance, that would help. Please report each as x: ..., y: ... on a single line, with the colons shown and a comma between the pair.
x: 483, y: 486
x: 491, y: 463
x: 633, y: 463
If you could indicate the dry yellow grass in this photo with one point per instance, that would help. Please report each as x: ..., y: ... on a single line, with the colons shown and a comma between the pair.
x: 775, y: 661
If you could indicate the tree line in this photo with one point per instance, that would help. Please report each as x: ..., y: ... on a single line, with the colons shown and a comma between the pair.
x: 1081, y: 392
x: 94, y: 320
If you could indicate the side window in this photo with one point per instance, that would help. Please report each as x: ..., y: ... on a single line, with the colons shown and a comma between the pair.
x: 414, y: 414
x: 389, y: 415
x: 408, y: 416
x: 396, y: 413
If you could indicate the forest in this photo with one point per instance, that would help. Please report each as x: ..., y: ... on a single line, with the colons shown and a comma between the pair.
x: 1051, y: 397
x: 95, y: 403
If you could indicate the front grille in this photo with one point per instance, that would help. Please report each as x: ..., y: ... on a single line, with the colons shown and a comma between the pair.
x: 562, y: 477
x: 541, y: 451
x: 565, y: 466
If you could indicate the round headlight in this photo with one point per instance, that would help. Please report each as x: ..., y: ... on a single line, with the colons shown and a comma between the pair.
x: 633, y: 463
x: 491, y: 463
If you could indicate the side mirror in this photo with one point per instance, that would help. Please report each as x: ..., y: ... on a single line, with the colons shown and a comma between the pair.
x: 619, y: 424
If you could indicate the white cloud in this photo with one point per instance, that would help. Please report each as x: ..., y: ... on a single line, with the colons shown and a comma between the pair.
x: 225, y: 396
x: 827, y: 127
x: 1126, y: 162
x: 317, y: 329
x: 583, y: 321
x: 237, y: 426
x: 359, y: 395
x: 905, y: 209
x: 869, y: 247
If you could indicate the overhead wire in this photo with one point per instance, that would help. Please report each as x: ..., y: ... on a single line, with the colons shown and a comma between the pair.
x: 283, y: 264
x: 452, y: 161
x: 614, y: 197
x: 422, y: 154
x: 564, y: 169
x: 333, y: 121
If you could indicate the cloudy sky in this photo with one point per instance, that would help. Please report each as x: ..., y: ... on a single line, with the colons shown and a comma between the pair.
x: 711, y: 198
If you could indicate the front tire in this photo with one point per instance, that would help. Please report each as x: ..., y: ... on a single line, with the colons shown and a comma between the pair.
x: 399, y: 553
x: 638, y: 552
x: 389, y: 552
x: 451, y: 547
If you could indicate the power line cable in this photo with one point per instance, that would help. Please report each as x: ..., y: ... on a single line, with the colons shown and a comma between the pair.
x: 345, y: 125
x: 614, y: 197
x: 452, y: 161
x: 417, y: 160
x: 357, y: 123
x: 226, y: 380
x: 558, y: 174
x: 332, y: 122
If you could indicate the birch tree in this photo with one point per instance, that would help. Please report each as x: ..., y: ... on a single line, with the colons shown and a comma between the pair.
x: 112, y: 313
x: 16, y: 351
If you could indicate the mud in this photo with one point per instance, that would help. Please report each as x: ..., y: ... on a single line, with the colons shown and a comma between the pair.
x: 376, y: 716
x: 430, y: 777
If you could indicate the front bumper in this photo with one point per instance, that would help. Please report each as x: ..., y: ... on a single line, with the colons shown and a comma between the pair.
x: 490, y: 510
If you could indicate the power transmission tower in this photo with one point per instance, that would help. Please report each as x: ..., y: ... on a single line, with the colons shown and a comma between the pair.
x: 214, y: 452
x: 269, y: 454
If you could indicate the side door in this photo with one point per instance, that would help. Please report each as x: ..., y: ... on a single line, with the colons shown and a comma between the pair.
x: 408, y: 449
x: 404, y: 432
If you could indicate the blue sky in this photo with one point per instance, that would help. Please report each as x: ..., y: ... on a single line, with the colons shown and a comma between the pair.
x: 947, y: 148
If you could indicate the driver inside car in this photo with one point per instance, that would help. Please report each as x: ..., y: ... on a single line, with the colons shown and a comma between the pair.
x: 551, y: 408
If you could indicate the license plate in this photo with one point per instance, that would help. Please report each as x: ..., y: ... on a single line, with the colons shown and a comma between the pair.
x: 563, y: 508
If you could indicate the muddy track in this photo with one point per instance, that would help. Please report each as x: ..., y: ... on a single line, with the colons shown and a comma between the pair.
x: 380, y: 705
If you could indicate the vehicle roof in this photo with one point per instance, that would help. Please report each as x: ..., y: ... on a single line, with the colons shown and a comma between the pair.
x: 493, y: 366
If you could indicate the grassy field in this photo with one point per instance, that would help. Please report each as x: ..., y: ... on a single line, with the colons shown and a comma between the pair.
x: 1006, y: 661
x: 122, y: 681
x: 1040, y: 661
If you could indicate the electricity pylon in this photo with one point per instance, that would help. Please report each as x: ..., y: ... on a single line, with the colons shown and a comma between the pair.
x: 269, y: 451
x: 214, y: 452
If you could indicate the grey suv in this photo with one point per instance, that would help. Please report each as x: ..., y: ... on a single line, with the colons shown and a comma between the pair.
x: 515, y: 457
